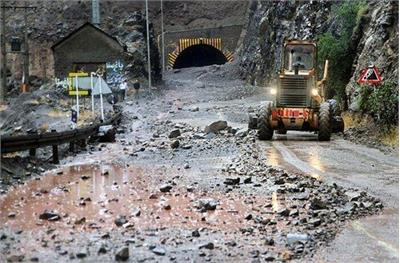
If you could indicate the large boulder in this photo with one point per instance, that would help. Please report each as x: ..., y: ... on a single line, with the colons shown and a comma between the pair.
x: 216, y: 126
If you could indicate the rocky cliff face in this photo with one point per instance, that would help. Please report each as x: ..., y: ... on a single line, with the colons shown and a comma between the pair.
x: 270, y: 23
x: 378, y: 38
x: 374, y: 40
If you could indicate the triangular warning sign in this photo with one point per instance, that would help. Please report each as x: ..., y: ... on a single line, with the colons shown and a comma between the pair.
x: 370, y: 75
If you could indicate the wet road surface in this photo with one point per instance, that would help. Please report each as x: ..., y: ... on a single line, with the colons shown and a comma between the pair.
x: 92, y: 189
x: 370, y: 239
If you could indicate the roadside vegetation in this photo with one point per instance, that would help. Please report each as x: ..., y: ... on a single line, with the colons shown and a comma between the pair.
x: 378, y: 116
x: 338, y: 48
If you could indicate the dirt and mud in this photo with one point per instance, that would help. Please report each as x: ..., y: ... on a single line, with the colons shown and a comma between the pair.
x: 173, y: 189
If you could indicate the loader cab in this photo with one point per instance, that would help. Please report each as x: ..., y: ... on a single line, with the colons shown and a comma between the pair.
x: 298, y: 57
x: 297, y: 75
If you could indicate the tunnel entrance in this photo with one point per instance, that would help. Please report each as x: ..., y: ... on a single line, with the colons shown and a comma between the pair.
x: 198, y: 56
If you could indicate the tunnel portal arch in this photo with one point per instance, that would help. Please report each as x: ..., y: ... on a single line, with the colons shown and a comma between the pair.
x: 194, y: 52
x: 199, y: 55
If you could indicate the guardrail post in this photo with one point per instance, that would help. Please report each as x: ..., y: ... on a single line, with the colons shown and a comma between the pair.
x: 55, y: 152
x: 32, y: 152
x: 72, y: 146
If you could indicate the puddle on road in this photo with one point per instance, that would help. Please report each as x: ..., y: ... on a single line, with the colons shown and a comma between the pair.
x: 279, y: 156
x: 88, y: 197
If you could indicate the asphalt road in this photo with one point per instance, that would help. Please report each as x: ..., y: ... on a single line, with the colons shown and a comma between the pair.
x: 370, y: 239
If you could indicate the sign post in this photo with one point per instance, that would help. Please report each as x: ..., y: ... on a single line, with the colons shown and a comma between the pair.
x: 101, y: 99
x: 91, y: 88
x: 77, y: 95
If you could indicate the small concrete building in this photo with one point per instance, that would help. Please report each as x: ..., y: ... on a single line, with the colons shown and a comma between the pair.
x: 88, y: 48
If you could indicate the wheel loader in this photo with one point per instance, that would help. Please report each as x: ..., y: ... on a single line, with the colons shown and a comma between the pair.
x: 299, y: 97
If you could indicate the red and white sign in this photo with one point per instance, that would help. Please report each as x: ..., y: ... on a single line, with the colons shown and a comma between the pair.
x: 370, y: 75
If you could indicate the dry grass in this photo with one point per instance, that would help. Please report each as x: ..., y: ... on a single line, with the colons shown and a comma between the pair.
x: 65, y: 103
x: 390, y: 137
x: 3, y: 107
x: 85, y: 117
x: 57, y: 114
x: 354, y: 120
x: 44, y: 127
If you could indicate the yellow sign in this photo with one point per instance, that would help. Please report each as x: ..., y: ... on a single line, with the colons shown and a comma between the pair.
x: 72, y: 92
x: 71, y: 84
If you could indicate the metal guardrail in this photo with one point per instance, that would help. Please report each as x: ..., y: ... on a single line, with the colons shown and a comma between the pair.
x: 31, y: 142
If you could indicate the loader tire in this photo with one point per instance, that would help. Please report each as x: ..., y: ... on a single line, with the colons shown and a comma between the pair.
x: 281, y: 131
x: 253, y: 121
x: 264, y: 129
x: 334, y: 108
x: 324, y: 123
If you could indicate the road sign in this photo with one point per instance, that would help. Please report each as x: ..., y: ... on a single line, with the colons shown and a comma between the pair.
x: 74, y: 116
x: 80, y: 92
x: 370, y: 75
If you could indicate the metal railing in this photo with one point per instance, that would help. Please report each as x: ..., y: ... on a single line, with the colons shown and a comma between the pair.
x: 31, y: 142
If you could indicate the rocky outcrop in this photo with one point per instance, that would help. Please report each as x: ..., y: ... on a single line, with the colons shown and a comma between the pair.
x: 270, y: 23
x: 378, y: 38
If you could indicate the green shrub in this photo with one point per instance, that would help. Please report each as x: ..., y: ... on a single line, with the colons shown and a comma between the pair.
x: 381, y: 102
x: 336, y: 49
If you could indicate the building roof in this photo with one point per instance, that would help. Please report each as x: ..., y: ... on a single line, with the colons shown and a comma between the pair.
x: 83, y: 26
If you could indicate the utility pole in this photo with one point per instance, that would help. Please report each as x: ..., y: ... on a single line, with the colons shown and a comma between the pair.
x: 4, y: 55
x: 96, y: 12
x: 162, y: 41
x: 148, y: 43
x: 26, y: 53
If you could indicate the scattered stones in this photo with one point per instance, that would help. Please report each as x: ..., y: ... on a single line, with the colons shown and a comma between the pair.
x: 317, y: 204
x: 175, y: 144
x: 165, y: 188
x: 15, y: 258
x: 158, y: 251
x: 11, y: 215
x: 215, y: 127
x: 232, y: 181
x: 269, y: 241
x: 136, y: 212
x: 102, y: 249
x: 283, y: 212
x: 208, y: 245
x: 353, y: 195
x: 207, y: 204
x: 249, y: 217
x: 174, y: 133
x: 49, y: 215
x: 81, y: 254
x: 247, y: 180
x: 293, y: 238
x: 195, y: 233
x: 122, y: 254
x: 120, y: 221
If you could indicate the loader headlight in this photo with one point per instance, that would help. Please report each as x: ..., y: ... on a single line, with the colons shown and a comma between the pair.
x: 314, y: 92
x: 273, y: 91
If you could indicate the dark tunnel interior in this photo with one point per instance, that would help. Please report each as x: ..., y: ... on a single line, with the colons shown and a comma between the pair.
x: 198, y: 56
